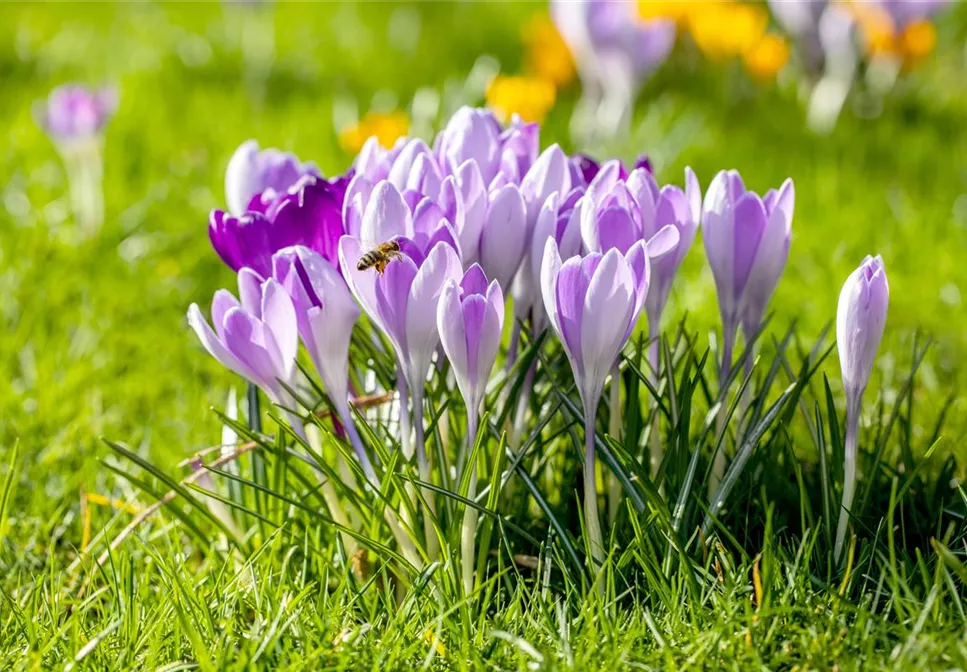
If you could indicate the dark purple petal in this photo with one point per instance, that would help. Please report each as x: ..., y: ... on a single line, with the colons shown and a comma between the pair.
x: 474, y: 281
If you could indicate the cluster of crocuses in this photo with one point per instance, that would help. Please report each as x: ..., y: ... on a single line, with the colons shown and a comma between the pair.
x: 480, y: 217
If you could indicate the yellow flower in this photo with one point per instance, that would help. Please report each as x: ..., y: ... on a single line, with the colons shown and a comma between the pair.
x: 547, y: 55
x: 766, y: 59
x: 917, y: 41
x: 530, y: 97
x: 388, y: 127
x: 678, y: 10
x: 726, y: 29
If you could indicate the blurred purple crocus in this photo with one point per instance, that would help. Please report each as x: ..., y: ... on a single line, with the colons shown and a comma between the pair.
x: 309, y: 213
x: 860, y: 320
x: 325, y: 314
x: 615, y: 52
x: 75, y: 113
x: 257, y: 337
x: 584, y: 169
x: 747, y: 243
x: 592, y: 303
x: 252, y: 170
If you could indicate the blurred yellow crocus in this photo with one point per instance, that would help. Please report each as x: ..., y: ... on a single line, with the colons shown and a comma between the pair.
x: 767, y: 58
x: 388, y: 127
x: 677, y: 10
x: 726, y: 29
x: 529, y: 97
x: 917, y: 41
x: 547, y: 55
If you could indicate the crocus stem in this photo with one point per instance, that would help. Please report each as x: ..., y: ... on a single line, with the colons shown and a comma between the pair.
x: 718, y: 465
x: 356, y: 441
x: 423, y: 464
x: 654, y: 364
x: 469, y: 529
x: 512, y: 346
x: 405, y: 438
x: 523, y: 400
x: 591, y: 520
x: 853, y: 404
x: 614, y: 429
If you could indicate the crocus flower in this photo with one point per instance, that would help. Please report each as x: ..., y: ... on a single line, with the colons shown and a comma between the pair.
x: 503, y: 239
x: 309, y: 213
x: 257, y: 337
x: 584, y: 169
x: 74, y: 117
x: 251, y: 171
x: 592, y: 303
x: 747, y: 244
x: 860, y: 319
x: 325, y: 314
x: 616, y: 51
x: 472, y: 134
x: 470, y: 319
x: 75, y: 113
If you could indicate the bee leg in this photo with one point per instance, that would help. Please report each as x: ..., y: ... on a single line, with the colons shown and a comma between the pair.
x: 380, y: 265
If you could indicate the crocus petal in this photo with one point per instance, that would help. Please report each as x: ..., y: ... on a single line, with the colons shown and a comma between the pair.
x: 503, y: 241
x: 361, y: 283
x: 216, y: 347
x: 222, y: 302
x: 386, y: 216
x: 453, y: 335
x: 279, y: 317
x: 392, y: 296
x: 570, y: 289
x: 252, y: 344
x: 550, y: 269
x: 442, y: 264
x: 250, y: 291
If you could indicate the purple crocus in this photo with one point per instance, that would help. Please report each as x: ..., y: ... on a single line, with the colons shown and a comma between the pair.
x: 592, y: 303
x: 325, y: 314
x: 75, y: 113
x: 584, y: 169
x: 472, y: 134
x: 470, y: 319
x: 251, y: 171
x: 860, y: 319
x: 747, y: 243
x: 257, y: 337
x: 308, y: 214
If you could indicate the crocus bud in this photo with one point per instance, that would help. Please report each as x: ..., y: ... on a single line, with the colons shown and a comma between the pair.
x: 519, y: 147
x: 471, y: 134
x: 592, y: 303
x: 309, y: 213
x: 74, y: 113
x: 256, y: 338
x: 747, y: 244
x: 470, y: 318
x: 251, y: 171
x: 860, y: 319
x: 504, y: 237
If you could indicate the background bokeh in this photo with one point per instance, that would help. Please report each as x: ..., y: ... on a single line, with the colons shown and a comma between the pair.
x: 93, y: 337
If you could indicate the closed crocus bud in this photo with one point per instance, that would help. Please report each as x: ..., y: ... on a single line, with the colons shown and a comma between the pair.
x: 592, y: 303
x: 257, y: 337
x: 74, y: 113
x: 860, y: 318
x: 471, y: 134
x: 549, y: 174
x: 519, y: 148
x: 325, y: 314
x: 251, y: 171
x: 747, y: 243
x: 308, y: 214
x: 503, y: 240
x: 470, y: 318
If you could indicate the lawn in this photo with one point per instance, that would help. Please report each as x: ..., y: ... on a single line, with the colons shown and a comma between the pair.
x: 96, y: 346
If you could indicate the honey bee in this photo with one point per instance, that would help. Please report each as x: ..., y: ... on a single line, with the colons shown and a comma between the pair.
x: 379, y: 257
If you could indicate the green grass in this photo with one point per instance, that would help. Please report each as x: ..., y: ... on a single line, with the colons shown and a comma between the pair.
x: 95, y: 345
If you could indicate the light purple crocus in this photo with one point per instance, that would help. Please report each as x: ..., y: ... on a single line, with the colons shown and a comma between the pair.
x: 584, y: 169
x: 257, y: 337
x: 75, y: 113
x: 309, y: 213
x: 325, y: 314
x: 252, y: 170
x: 860, y: 320
x: 472, y: 134
x: 470, y: 318
x: 592, y: 303
x: 747, y: 243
